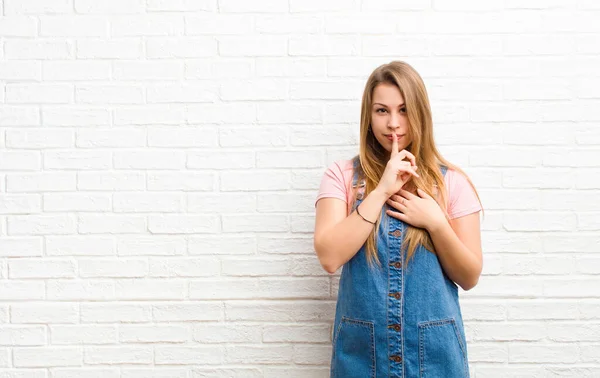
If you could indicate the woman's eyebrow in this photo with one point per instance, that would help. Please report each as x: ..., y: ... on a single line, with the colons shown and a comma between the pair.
x: 378, y: 103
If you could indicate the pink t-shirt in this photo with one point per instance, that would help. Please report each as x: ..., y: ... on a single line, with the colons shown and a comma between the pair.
x: 337, y: 183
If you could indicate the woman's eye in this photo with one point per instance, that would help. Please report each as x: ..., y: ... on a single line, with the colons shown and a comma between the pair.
x: 403, y: 110
x: 380, y: 109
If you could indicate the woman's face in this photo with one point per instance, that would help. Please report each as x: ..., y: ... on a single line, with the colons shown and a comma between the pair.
x: 388, y: 116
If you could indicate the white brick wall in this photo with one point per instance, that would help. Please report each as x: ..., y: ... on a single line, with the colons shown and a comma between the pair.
x: 159, y: 161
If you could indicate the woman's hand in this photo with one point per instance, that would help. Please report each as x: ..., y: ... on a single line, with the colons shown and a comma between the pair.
x: 419, y: 211
x: 397, y: 171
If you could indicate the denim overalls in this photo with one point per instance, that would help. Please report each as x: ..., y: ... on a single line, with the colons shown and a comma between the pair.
x: 397, y: 320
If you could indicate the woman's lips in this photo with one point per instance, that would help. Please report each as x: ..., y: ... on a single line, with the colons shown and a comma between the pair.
x: 390, y: 137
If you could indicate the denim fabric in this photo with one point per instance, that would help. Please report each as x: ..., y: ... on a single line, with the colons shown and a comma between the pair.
x: 397, y: 320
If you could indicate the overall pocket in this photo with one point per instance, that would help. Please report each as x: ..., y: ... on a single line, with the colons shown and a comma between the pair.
x: 353, y: 349
x: 442, y: 352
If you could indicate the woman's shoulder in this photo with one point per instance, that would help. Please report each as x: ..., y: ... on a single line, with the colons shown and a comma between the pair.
x: 342, y: 169
x: 462, y: 199
x: 455, y: 177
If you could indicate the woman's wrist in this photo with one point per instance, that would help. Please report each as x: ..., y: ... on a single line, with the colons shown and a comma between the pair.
x: 380, y: 195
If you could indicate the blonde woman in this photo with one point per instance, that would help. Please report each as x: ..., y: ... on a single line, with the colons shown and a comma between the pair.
x: 403, y: 222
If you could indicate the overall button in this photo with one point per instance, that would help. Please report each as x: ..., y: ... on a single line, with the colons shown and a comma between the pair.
x: 395, y: 327
x: 396, y: 233
x: 396, y: 264
x: 396, y: 358
x: 396, y: 295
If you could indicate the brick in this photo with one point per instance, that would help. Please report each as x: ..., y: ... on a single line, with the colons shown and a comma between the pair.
x: 213, y: 113
x: 41, y: 268
x: 20, y: 203
x: 188, y: 311
x: 188, y: 267
x: 188, y: 47
x: 12, y: 7
x: 318, y: 6
x: 145, y: 289
x: 194, y: 136
x: 14, y: 290
x: 78, y: 160
x: 109, y: 223
x: 23, y: 335
x: 220, y: 160
x: 152, y: 245
x: 20, y: 70
x: 220, y: 203
x: 324, y: 46
x: 186, y: 93
x: 48, y: 356
x: 105, y: 94
x: 21, y: 247
x: 41, y: 224
x: 188, y: 355
x: 271, y: 288
x: 252, y: 46
x: 254, y: 181
x: 146, y: 25
x: 121, y: 138
x: 182, y: 224
x: 68, y: 290
x: 34, y: 138
x: 212, y: 333
x: 255, y: 223
x: 147, y: 202
x: 20, y: 116
x: 87, y: 245
x: 219, y: 24
x: 148, y: 159
x: 115, y: 313
x: 78, y: 70
x: 75, y: 116
x: 38, y: 49
x: 232, y: 245
x: 149, y: 114
x: 126, y: 48
x: 102, y: 355
x: 292, y: 67
x: 153, y: 334
x: 187, y: 181
x: 112, y: 268
x: 147, y: 70
x: 82, y: 334
x: 257, y: 89
x: 109, y: 6
x: 126, y: 180
x: 41, y: 182
x: 73, y: 26
x: 263, y: 354
x: 314, y: 333
x: 44, y: 313
x: 39, y: 93
x: 240, y: 6
x: 180, y: 5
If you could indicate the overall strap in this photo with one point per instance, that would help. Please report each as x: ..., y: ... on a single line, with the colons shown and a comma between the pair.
x: 355, y: 174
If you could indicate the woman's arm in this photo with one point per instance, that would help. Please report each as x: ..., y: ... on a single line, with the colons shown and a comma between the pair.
x: 458, y: 247
x: 339, y: 237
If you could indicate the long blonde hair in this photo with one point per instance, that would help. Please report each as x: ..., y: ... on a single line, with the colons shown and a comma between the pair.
x: 372, y: 158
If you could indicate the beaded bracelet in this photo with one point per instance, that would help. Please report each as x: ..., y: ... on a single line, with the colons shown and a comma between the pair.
x: 366, y: 220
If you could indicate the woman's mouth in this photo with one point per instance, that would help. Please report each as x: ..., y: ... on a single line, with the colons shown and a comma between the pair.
x: 390, y: 137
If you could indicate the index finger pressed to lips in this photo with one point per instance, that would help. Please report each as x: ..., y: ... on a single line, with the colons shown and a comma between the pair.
x: 394, y: 145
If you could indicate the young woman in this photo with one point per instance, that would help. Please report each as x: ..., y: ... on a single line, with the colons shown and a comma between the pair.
x: 404, y: 224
